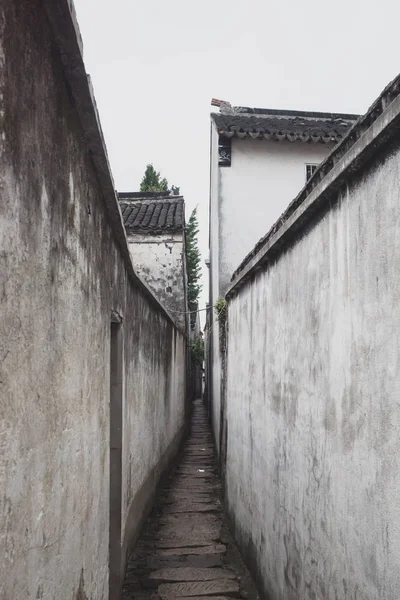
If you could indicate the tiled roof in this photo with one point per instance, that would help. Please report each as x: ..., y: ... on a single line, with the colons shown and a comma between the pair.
x: 278, y: 125
x: 152, y: 212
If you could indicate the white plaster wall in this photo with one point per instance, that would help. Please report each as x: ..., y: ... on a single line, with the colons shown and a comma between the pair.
x: 158, y: 260
x: 264, y: 177
x: 214, y: 289
x: 313, y: 410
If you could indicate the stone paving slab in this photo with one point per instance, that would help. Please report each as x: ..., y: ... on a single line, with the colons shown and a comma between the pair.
x: 191, y: 574
x: 197, y: 486
x: 188, y: 522
x: 190, y: 507
x: 187, y: 541
x: 201, y: 469
x: 180, y: 496
x: 185, y: 551
x: 200, y: 550
x: 199, y: 452
x: 202, y: 597
x: 197, y: 480
x: 174, y: 560
x: 168, y: 591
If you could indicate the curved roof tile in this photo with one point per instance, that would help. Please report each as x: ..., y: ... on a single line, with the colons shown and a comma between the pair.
x: 152, y: 213
x: 259, y: 123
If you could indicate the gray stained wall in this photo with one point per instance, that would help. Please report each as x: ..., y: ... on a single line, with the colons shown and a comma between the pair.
x: 313, y: 381
x: 159, y: 259
x: 68, y: 375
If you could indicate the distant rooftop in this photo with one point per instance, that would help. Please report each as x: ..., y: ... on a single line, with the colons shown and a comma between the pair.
x: 152, y: 212
x: 278, y: 125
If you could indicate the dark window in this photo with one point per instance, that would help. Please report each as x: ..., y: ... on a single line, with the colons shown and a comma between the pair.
x: 224, y: 151
x: 310, y: 170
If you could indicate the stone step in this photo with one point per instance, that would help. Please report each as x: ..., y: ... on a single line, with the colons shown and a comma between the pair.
x: 192, y: 507
x: 154, y: 562
x: 198, y: 460
x: 200, y: 481
x: 187, y: 541
x: 197, y: 470
x: 171, y: 575
x: 172, y: 591
x: 192, y: 550
x: 178, y: 496
x: 202, y: 598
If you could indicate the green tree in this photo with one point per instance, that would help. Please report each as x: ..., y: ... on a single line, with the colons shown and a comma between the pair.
x: 152, y: 181
x: 197, y: 350
x: 193, y: 261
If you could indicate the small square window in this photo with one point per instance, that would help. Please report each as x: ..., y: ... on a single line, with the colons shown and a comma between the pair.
x: 310, y: 170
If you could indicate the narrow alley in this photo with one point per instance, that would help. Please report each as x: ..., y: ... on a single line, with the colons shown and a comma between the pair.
x: 185, y: 550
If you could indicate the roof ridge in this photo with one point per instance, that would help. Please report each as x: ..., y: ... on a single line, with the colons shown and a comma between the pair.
x: 243, y: 110
x: 155, y: 200
x: 163, y: 194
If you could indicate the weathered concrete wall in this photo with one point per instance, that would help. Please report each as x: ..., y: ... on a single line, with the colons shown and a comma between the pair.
x: 154, y: 410
x: 65, y: 270
x: 245, y: 200
x: 313, y: 382
x: 213, y: 359
x: 160, y: 261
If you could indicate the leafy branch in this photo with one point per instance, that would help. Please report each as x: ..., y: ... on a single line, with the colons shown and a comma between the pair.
x: 193, y: 260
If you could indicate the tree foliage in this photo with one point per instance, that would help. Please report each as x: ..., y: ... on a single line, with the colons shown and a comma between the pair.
x: 193, y: 260
x: 152, y: 181
x: 197, y: 350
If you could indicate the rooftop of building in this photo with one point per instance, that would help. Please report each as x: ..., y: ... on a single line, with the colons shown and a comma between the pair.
x: 365, y: 123
x: 152, y: 212
x: 279, y: 125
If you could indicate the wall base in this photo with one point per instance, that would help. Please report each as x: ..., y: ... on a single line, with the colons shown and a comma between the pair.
x: 143, y: 501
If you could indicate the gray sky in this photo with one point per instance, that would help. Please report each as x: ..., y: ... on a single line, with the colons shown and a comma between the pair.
x: 156, y: 65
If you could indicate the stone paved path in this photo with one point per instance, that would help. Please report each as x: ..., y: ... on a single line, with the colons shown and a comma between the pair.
x: 186, y: 552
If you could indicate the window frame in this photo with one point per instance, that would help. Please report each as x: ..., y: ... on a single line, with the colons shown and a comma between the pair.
x: 313, y: 167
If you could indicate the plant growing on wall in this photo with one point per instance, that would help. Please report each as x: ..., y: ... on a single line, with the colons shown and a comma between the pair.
x: 221, y: 309
x: 152, y: 181
x: 193, y: 260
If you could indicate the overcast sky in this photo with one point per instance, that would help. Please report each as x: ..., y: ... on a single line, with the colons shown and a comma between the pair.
x: 155, y: 65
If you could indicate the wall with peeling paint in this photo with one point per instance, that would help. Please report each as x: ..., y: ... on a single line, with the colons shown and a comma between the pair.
x: 160, y: 261
x: 65, y: 274
x: 313, y: 383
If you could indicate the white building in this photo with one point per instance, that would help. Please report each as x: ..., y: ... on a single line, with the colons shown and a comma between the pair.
x: 260, y: 160
x: 155, y: 226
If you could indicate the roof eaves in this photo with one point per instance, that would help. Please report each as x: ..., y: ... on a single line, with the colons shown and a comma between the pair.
x: 156, y: 231
x: 284, y: 127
